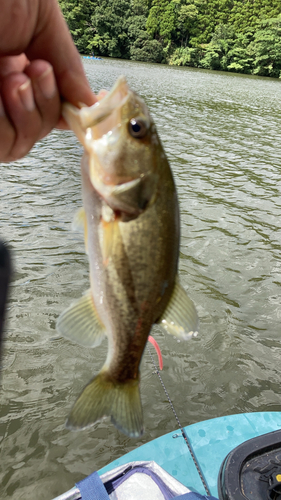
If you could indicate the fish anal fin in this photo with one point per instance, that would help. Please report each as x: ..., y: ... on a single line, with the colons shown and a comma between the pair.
x: 105, y: 397
x: 180, y: 316
x: 80, y: 322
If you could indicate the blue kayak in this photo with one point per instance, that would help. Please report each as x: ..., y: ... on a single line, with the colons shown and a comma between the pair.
x: 208, y: 458
x: 92, y: 57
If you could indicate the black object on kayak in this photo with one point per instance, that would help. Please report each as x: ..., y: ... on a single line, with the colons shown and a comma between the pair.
x: 5, y: 273
x: 252, y: 471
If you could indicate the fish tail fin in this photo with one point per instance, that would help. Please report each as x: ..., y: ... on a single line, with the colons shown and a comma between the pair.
x: 102, y: 397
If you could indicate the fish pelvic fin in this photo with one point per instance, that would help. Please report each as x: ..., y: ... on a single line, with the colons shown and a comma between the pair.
x: 180, y: 316
x: 79, y: 224
x: 103, y: 397
x: 80, y: 322
x: 110, y: 234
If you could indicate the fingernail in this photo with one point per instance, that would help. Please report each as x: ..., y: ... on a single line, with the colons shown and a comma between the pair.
x: 47, y: 83
x: 2, y: 109
x: 26, y: 96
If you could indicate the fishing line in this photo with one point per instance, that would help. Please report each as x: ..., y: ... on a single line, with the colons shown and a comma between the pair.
x: 184, y: 435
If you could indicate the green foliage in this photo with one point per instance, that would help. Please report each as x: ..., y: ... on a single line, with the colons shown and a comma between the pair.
x: 217, y: 51
x: 110, y: 20
x: 257, y: 52
x: 230, y: 35
x: 267, y: 49
x: 241, y: 56
x: 157, y: 18
x: 142, y: 46
x: 211, y: 14
x: 187, y: 16
x: 248, y: 14
x: 77, y: 14
x: 145, y: 49
x: 185, y: 56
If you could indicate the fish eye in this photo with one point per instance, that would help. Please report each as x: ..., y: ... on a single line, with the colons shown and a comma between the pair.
x: 137, y: 128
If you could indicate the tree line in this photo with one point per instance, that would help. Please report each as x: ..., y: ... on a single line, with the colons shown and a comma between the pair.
x: 231, y: 35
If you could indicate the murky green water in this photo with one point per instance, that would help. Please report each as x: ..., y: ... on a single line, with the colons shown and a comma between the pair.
x: 222, y: 134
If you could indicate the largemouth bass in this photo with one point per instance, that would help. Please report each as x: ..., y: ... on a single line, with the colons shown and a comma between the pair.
x: 131, y: 225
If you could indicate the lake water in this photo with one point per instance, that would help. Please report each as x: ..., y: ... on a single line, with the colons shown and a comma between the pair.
x: 222, y: 135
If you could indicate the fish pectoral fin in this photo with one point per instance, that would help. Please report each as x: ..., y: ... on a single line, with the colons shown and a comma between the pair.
x: 79, y: 224
x: 180, y: 316
x: 105, y: 397
x: 80, y: 322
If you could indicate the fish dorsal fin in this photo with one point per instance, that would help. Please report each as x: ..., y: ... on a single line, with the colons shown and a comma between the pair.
x: 180, y: 316
x: 79, y: 224
x: 80, y: 322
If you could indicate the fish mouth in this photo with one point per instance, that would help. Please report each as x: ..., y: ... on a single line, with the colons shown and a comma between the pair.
x: 97, y: 120
x: 92, y: 122
x: 112, y: 101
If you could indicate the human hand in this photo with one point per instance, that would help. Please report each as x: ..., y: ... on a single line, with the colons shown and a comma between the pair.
x: 39, y: 66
